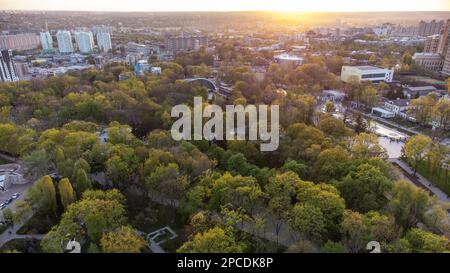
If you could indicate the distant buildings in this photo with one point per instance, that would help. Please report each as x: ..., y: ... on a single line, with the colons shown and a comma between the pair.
x: 436, y: 56
x: 64, y: 39
x: 366, y: 73
x: 8, y: 71
x: 23, y: 41
x: 104, y: 41
x: 186, y: 43
x: 288, y: 61
x: 427, y: 29
x: 429, y: 61
x: 46, y: 41
x: 85, y: 41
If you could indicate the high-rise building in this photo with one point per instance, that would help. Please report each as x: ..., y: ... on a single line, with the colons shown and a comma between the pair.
x: 185, y: 43
x: 427, y: 29
x: 85, y: 41
x: 8, y: 71
x: 23, y: 41
x: 446, y: 67
x: 46, y: 41
x: 444, y: 39
x: 431, y: 44
x: 64, y: 39
x: 104, y: 41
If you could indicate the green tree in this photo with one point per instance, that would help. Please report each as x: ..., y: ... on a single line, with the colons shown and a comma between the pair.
x: 81, y: 181
x: 42, y: 195
x: 426, y: 242
x: 308, y: 220
x: 122, y: 240
x: 365, y: 188
x: 66, y: 192
x: 415, y: 149
x: 215, y: 240
x: 37, y: 163
x: 408, y: 204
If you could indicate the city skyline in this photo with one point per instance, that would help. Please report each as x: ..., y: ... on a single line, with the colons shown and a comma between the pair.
x: 230, y: 5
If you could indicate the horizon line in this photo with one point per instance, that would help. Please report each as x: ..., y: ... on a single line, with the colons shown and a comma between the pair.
x: 223, y: 11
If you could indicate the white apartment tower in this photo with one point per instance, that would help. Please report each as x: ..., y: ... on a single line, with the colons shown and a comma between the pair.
x: 85, y: 41
x: 46, y: 41
x: 104, y: 41
x: 64, y: 39
x: 8, y: 71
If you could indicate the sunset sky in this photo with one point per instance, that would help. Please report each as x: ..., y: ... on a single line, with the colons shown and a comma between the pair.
x: 227, y: 5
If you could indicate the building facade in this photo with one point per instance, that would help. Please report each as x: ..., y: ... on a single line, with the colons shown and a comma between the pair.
x: 431, y: 44
x: 8, y: 71
x: 46, y: 41
x: 186, y: 43
x: 23, y: 41
x: 85, y: 41
x: 446, y: 66
x: 104, y: 41
x: 366, y: 73
x: 444, y: 39
x: 64, y: 39
x: 429, y: 61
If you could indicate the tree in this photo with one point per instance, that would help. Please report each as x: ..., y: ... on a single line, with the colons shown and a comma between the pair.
x: 122, y: 240
x: 215, y: 240
x: 367, y: 146
x: 441, y: 113
x: 353, y: 231
x: 66, y: 193
x: 37, y: 163
x: 408, y: 204
x: 333, y: 127
x: 42, y: 195
x: 422, y: 108
x: 369, y: 96
x: 241, y: 192
x: 426, y: 242
x: 332, y: 164
x: 329, y: 107
x: 365, y: 188
x: 416, y: 148
x: 81, y: 181
x: 86, y: 219
x: 308, y: 220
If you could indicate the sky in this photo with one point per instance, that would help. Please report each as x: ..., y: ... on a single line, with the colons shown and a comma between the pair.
x: 228, y: 5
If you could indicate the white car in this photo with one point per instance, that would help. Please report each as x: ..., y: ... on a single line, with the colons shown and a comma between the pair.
x: 15, y: 196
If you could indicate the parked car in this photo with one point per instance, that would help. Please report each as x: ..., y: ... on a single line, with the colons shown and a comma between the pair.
x: 8, y: 201
x: 15, y: 195
x: 2, y: 205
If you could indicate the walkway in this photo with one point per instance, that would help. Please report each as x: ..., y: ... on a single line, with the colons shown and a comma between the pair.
x: 425, y: 183
x: 11, y: 232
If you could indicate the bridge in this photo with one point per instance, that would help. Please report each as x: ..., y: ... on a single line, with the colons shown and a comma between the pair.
x: 213, y: 87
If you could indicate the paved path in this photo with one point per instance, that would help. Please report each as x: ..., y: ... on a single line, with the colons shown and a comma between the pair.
x: 11, y: 232
x: 424, y: 182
